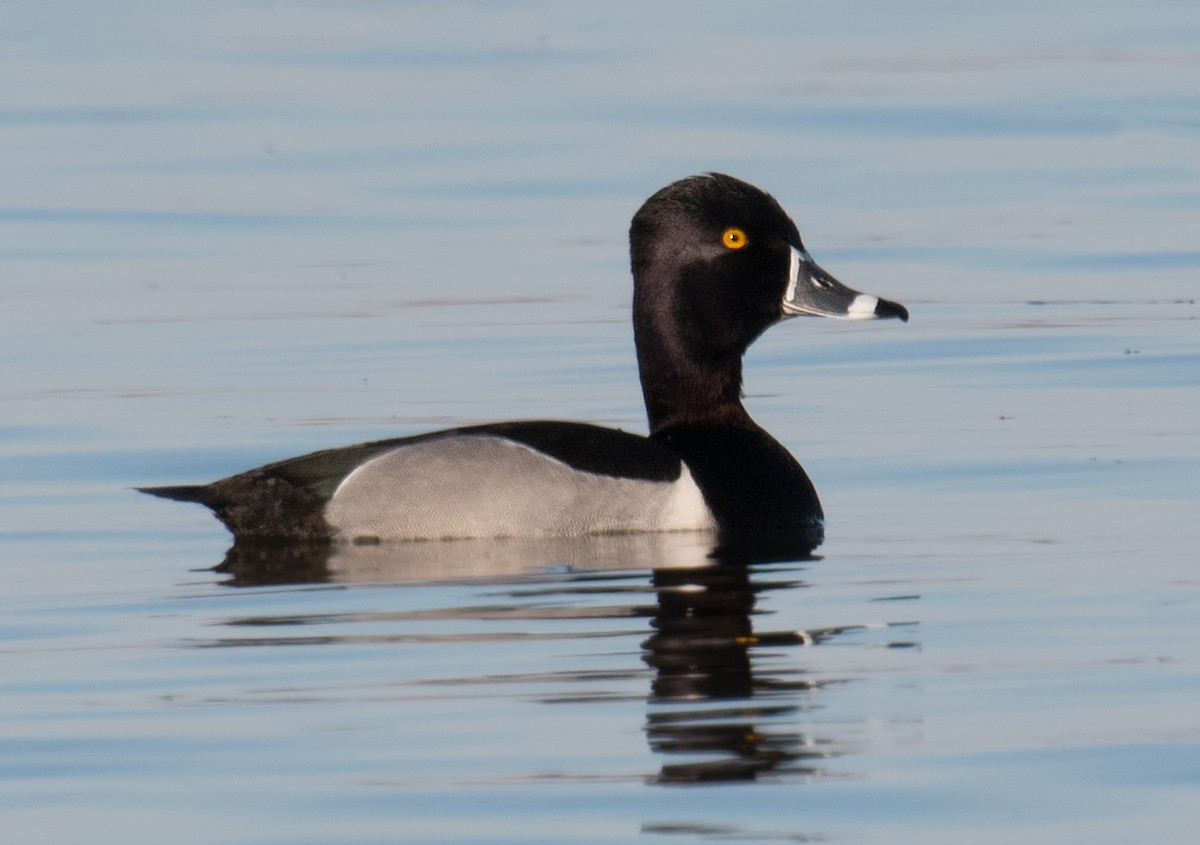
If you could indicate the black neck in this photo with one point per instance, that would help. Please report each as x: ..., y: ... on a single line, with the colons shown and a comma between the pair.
x: 690, y: 373
x: 682, y: 392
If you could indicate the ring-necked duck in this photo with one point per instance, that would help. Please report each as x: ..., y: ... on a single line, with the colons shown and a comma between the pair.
x: 716, y: 262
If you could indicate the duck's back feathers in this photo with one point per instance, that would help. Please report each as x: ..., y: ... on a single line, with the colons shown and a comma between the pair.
x: 386, y: 487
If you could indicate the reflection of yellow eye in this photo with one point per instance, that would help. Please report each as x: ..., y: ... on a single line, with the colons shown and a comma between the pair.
x: 734, y: 238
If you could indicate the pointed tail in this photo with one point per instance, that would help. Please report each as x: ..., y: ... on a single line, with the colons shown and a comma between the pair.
x: 199, y: 493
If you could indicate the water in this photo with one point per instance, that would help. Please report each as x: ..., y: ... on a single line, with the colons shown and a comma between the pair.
x: 235, y: 232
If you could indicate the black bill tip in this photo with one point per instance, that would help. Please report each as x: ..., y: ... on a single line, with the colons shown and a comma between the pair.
x: 885, y: 309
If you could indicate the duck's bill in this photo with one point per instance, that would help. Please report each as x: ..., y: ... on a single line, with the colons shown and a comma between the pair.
x: 814, y: 292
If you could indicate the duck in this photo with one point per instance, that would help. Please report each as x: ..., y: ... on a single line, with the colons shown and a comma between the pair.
x: 715, y: 263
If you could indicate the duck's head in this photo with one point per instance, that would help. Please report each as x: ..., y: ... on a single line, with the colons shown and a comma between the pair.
x: 716, y: 261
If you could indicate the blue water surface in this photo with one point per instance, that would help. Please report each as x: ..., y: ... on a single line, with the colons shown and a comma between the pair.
x: 235, y: 232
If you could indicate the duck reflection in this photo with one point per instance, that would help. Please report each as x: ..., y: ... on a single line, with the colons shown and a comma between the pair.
x: 711, y: 706
x: 251, y: 564
x: 722, y: 705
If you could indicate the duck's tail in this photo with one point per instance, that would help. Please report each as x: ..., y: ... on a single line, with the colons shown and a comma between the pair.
x: 257, y: 506
x: 199, y: 493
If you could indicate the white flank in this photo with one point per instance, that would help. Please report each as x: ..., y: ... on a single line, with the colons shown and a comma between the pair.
x: 485, y: 486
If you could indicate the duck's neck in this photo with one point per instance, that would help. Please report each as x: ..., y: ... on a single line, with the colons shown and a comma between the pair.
x: 680, y: 390
x: 689, y: 355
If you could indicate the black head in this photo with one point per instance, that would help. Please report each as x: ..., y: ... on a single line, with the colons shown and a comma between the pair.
x: 716, y: 262
x: 710, y: 259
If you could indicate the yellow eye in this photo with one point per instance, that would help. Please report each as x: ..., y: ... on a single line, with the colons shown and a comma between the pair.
x: 734, y: 238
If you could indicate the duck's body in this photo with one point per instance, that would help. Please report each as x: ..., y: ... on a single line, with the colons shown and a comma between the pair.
x: 715, y: 263
x: 529, y: 478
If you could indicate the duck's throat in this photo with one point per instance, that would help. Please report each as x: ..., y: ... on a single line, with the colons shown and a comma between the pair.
x: 693, y: 394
